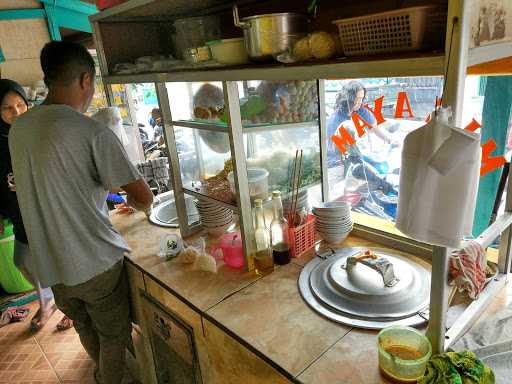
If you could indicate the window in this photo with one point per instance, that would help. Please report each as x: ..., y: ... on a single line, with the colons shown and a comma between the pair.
x: 367, y: 174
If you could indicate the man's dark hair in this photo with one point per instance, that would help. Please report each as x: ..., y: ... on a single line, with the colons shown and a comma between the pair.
x: 345, y: 99
x: 63, y: 62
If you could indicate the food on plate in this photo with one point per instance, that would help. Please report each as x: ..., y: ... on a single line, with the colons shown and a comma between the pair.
x: 218, y: 188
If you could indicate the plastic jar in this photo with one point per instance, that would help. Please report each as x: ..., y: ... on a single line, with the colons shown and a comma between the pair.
x: 403, y: 353
x: 258, y: 183
x: 194, y: 32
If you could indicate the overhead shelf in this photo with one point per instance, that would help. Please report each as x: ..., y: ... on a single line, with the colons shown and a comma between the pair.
x: 415, y: 64
x: 158, y: 9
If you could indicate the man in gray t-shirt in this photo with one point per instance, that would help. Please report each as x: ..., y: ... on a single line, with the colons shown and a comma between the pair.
x: 64, y: 164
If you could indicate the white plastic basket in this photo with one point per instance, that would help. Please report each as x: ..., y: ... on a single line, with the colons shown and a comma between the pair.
x: 394, y: 31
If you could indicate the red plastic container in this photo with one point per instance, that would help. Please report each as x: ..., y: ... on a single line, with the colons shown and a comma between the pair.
x: 303, y: 238
x: 104, y: 4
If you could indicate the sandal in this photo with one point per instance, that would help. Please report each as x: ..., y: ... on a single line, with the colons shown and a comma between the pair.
x: 37, y: 322
x: 64, y: 323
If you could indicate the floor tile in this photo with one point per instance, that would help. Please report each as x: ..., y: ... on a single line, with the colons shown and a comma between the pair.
x: 44, y: 357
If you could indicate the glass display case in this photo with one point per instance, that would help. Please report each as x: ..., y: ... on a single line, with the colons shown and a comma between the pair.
x: 278, y: 118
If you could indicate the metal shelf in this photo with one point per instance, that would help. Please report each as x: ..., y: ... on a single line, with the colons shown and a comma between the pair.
x: 143, y: 10
x: 416, y: 64
x: 205, y: 126
x: 219, y: 127
x: 489, y: 52
x: 199, y: 195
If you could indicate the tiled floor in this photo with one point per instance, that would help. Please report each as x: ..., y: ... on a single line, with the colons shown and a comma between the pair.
x: 45, y: 357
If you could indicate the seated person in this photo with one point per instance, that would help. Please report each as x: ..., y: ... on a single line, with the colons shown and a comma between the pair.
x: 349, y: 101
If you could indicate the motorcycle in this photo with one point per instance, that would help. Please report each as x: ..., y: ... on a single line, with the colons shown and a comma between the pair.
x: 371, y: 185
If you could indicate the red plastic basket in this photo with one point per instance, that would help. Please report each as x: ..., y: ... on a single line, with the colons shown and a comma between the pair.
x: 303, y: 238
x: 104, y: 4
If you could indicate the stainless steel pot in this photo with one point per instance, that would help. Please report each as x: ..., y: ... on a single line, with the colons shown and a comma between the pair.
x: 266, y: 36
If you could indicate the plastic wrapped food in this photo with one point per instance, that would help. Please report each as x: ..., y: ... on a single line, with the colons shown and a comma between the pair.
x: 319, y: 45
x: 208, y: 104
x: 205, y: 262
x: 323, y: 45
x: 302, y: 50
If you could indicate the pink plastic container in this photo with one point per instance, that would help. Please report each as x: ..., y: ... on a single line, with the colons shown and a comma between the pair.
x: 232, y: 250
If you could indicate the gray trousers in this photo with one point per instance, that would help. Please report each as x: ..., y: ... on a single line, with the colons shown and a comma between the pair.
x: 100, y: 311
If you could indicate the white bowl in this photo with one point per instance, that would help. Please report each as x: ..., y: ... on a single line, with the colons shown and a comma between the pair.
x: 331, y: 214
x: 334, y: 220
x: 334, y: 239
x: 332, y: 205
x: 334, y: 231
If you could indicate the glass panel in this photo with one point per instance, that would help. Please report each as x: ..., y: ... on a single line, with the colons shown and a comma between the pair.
x: 99, y: 100
x: 278, y: 102
x: 197, y: 102
x: 281, y: 117
x: 121, y: 99
x: 204, y: 162
x: 367, y: 175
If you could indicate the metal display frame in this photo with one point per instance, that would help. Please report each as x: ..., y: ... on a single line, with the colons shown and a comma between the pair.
x: 453, y: 63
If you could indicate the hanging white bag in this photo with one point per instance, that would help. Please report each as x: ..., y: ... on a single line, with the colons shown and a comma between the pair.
x: 439, y: 182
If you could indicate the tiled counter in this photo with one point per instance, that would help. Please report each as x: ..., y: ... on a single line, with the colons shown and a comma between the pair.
x: 255, y: 330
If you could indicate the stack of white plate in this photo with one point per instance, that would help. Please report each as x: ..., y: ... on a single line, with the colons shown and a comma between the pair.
x: 333, y: 221
x: 214, y: 217
x: 302, y: 202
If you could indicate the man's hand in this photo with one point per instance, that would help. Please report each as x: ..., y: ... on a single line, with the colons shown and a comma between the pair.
x: 139, y: 196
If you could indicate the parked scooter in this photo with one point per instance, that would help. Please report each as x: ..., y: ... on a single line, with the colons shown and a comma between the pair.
x: 372, y: 186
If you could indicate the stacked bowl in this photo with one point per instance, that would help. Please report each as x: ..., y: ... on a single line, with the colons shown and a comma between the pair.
x: 215, y: 219
x: 333, y: 221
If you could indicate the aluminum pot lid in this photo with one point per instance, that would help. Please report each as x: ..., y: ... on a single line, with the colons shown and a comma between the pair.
x: 376, y: 285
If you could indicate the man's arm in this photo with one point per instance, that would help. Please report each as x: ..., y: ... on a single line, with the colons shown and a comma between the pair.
x: 139, y: 196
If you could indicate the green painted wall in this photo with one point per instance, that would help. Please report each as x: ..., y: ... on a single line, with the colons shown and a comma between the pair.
x: 495, y: 120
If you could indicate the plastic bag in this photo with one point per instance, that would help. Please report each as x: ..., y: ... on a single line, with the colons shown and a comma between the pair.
x: 316, y: 46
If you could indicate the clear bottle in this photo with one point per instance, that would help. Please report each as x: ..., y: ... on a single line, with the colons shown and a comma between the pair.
x: 279, y: 236
x: 263, y: 262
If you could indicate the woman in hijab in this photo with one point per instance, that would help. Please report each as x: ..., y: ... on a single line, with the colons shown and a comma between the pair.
x: 13, y: 102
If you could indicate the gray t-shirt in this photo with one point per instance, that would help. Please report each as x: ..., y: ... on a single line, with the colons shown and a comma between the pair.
x: 64, y: 163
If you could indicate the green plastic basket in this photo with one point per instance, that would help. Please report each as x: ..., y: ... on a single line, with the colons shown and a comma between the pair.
x: 11, y: 278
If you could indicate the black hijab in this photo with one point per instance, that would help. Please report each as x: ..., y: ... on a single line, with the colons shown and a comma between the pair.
x: 7, y: 86
x: 8, y: 202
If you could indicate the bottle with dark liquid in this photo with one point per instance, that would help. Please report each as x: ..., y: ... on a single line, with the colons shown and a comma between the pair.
x: 263, y: 262
x: 279, y: 237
